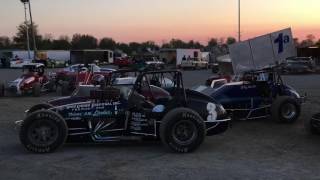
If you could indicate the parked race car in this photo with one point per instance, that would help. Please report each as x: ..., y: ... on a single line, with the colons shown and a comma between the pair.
x: 181, y: 118
x: 33, y: 81
x: 259, y: 94
x: 193, y: 63
x: 299, y: 65
x: 69, y: 78
x: 154, y: 64
x: 123, y: 62
x: 314, y: 124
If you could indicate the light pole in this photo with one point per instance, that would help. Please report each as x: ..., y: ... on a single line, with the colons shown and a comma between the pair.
x: 31, y: 28
x: 27, y: 28
x: 239, y: 20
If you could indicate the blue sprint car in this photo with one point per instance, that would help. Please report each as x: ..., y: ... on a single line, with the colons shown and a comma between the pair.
x: 257, y: 94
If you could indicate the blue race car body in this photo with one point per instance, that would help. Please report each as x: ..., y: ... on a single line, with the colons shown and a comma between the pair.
x: 256, y: 96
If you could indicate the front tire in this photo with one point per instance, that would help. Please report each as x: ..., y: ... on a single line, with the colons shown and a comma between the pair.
x: 182, y: 130
x: 285, y: 109
x: 43, y: 131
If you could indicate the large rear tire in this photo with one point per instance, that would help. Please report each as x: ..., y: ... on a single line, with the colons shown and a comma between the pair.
x: 285, y: 109
x: 36, y: 89
x: 43, y: 131
x: 182, y: 130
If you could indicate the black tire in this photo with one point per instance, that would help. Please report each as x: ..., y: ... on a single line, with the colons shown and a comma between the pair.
x: 285, y: 109
x: 36, y: 89
x: 313, y: 125
x: 2, y: 90
x: 51, y: 86
x: 39, y: 107
x: 43, y: 131
x: 65, y: 88
x: 174, y: 121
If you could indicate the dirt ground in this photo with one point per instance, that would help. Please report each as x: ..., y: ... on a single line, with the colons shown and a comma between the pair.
x: 257, y: 149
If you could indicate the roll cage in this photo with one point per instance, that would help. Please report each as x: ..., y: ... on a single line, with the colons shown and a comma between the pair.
x: 149, y: 80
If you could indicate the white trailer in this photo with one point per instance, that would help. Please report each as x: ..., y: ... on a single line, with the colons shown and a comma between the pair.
x: 190, y: 58
x: 188, y: 54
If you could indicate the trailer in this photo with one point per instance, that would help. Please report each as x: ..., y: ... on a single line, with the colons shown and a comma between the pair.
x: 190, y: 58
x: 87, y: 56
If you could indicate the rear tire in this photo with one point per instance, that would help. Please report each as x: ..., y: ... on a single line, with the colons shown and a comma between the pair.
x: 182, y: 130
x: 285, y: 109
x: 43, y: 131
x: 36, y: 90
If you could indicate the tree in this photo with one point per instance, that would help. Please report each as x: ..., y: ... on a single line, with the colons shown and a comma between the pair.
x: 212, y: 42
x: 231, y: 40
x: 107, y: 43
x: 124, y: 47
x: 310, y: 41
x: 63, y: 43
x: 21, y: 36
x: 296, y: 42
x: 195, y: 44
x: 84, y: 41
x: 46, y: 42
x: 135, y: 47
x: 149, y: 45
x: 318, y: 43
x: 175, y: 44
x: 5, y: 42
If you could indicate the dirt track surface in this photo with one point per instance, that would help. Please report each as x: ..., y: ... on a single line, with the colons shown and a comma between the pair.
x: 260, y: 149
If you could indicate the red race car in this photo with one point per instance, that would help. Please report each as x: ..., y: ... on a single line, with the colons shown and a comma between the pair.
x: 123, y: 62
x: 33, y: 81
x: 69, y: 78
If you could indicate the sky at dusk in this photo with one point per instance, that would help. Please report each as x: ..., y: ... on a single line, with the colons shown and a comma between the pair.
x: 161, y: 20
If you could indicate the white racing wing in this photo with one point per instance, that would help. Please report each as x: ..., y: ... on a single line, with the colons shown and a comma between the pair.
x: 261, y: 52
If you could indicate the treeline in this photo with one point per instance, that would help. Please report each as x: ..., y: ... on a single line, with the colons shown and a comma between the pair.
x: 85, y: 41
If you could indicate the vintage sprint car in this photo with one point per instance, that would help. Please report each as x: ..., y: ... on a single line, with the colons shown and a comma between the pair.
x: 33, y: 81
x: 181, y: 118
x: 70, y: 77
x: 257, y: 94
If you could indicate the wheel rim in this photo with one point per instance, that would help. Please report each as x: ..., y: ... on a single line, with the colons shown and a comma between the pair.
x: 43, y: 133
x: 288, y: 111
x: 184, y: 132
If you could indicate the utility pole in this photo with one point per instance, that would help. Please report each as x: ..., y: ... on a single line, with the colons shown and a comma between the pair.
x: 27, y: 28
x: 33, y: 32
x: 239, y: 20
